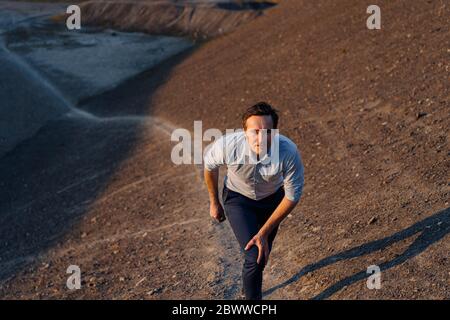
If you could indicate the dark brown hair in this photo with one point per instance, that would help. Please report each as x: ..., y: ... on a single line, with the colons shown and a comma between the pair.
x: 260, y: 109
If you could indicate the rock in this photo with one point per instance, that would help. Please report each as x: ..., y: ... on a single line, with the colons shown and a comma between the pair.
x: 140, y: 281
x: 373, y: 220
x: 421, y: 114
x: 155, y: 291
x: 211, y: 277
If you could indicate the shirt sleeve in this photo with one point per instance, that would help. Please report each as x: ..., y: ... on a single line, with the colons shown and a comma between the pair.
x: 215, y: 155
x: 293, y: 174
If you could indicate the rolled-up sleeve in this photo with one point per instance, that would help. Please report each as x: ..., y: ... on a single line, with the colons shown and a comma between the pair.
x: 215, y: 155
x: 293, y: 175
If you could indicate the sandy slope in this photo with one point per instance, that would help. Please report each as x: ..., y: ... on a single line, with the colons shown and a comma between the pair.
x: 353, y: 100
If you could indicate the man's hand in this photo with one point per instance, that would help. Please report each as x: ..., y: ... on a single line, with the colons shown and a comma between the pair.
x: 261, y: 241
x: 261, y: 238
x: 216, y: 211
x: 215, y: 208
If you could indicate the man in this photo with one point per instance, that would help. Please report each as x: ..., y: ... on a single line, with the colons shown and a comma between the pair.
x: 263, y: 184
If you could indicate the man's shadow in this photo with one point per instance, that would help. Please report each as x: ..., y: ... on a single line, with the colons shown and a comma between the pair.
x: 431, y: 230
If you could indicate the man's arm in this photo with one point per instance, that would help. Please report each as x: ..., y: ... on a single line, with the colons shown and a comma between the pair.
x: 212, y: 181
x: 293, y: 187
x: 281, y: 212
x: 214, y: 159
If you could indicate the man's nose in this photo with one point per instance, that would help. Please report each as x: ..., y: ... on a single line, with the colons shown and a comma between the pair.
x: 260, y: 137
x: 263, y: 139
x: 263, y: 135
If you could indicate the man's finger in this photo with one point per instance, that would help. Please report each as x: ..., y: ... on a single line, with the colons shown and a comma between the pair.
x: 260, y: 254
x: 249, y: 244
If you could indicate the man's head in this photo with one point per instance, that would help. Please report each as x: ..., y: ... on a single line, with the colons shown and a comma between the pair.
x: 257, y: 121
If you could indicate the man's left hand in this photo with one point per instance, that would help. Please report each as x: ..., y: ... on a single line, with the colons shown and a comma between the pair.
x: 261, y: 241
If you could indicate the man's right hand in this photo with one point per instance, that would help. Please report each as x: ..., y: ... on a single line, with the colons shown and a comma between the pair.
x: 216, y: 212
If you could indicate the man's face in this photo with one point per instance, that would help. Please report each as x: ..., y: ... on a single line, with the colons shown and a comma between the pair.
x: 257, y: 133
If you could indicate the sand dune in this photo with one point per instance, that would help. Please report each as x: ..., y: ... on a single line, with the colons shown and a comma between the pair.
x: 27, y: 101
x: 196, y: 19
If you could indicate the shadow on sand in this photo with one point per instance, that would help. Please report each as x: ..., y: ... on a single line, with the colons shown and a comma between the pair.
x: 253, y: 5
x: 431, y: 230
x: 49, y: 182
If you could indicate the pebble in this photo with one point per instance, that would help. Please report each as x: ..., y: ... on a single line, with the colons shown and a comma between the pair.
x: 372, y: 220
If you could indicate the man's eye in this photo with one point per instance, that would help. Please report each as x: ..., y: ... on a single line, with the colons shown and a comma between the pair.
x: 256, y: 131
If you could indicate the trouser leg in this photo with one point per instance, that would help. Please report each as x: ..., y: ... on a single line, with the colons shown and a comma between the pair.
x: 252, y: 272
x: 246, y: 221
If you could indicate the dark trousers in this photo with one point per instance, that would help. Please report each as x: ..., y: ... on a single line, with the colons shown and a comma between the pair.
x: 246, y: 216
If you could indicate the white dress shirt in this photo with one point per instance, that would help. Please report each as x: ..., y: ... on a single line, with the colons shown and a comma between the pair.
x: 257, y: 178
